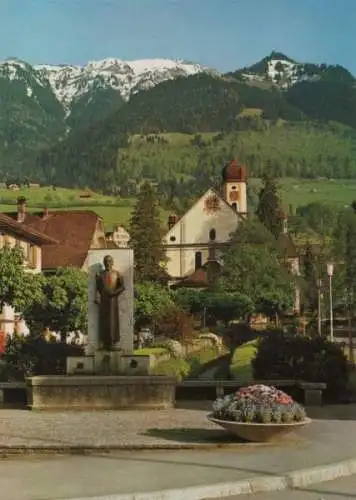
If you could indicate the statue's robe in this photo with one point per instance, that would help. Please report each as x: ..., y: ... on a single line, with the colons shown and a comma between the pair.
x: 109, y: 285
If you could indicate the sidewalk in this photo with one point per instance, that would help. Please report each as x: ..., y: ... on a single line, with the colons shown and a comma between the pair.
x: 119, y: 473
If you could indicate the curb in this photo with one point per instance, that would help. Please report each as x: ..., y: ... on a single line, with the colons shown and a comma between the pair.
x: 87, y: 450
x: 295, y: 479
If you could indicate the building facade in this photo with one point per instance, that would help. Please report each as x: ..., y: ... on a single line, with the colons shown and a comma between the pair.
x: 32, y: 242
x: 75, y: 232
x: 195, y: 241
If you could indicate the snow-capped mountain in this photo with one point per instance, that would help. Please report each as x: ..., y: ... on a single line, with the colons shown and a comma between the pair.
x: 285, y: 72
x: 42, y: 105
x: 70, y: 83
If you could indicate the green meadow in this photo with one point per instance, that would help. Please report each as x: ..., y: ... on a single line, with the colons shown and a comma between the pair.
x: 115, y: 210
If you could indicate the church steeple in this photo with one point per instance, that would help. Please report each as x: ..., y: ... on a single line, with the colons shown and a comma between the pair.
x: 235, y: 186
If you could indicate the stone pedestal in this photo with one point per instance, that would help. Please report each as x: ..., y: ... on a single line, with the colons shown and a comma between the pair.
x: 80, y: 365
x: 100, y: 392
x: 109, y: 363
x: 123, y: 262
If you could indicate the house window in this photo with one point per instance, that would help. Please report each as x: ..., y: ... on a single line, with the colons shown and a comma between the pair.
x: 198, y: 260
x: 212, y: 234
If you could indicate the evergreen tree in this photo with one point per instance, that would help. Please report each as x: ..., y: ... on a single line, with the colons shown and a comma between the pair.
x: 146, y: 237
x: 253, y: 267
x: 345, y: 256
x: 268, y: 208
x: 310, y: 277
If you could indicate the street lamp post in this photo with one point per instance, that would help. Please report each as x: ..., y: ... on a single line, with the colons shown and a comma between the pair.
x: 319, y: 285
x: 330, y: 272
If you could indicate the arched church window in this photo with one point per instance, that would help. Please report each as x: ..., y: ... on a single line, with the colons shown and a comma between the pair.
x: 212, y: 235
x: 198, y: 260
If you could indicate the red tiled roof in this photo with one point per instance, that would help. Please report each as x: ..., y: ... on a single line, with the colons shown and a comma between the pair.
x: 73, y: 230
x: 197, y: 278
x: 28, y: 233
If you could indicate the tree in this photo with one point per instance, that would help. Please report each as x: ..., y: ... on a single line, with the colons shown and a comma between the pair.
x: 344, y: 250
x: 190, y: 300
x: 64, y: 305
x: 319, y: 217
x: 254, y: 267
x: 146, y: 237
x: 273, y: 304
x: 310, y: 277
x: 268, y: 208
x: 150, y: 299
x: 226, y: 306
x: 18, y: 288
x: 174, y: 323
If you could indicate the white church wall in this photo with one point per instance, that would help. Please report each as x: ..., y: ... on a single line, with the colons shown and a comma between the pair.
x: 194, y: 228
x: 196, y: 224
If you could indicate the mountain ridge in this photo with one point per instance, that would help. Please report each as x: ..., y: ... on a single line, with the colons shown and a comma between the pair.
x: 55, y: 117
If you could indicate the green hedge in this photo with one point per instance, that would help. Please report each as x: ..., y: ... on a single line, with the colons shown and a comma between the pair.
x: 283, y: 356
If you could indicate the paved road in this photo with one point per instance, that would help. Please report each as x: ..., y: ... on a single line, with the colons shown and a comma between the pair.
x: 341, y: 489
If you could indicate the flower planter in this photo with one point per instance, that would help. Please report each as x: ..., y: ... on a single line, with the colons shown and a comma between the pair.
x: 258, y: 413
x: 258, y: 432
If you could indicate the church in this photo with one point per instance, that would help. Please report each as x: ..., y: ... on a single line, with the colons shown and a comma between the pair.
x: 194, y: 242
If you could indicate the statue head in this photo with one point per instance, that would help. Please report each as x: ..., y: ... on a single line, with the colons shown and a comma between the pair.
x: 108, y: 262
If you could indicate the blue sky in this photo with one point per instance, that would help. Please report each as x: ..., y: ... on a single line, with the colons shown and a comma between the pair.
x: 225, y: 34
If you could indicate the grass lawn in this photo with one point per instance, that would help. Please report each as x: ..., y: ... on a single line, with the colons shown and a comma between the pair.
x: 297, y: 192
x: 184, y: 367
x: 112, y: 210
x: 241, y: 361
x: 150, y: 351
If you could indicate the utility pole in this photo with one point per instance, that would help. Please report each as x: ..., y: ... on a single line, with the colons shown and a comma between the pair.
x: 330, y: 272
x: 319, y: 285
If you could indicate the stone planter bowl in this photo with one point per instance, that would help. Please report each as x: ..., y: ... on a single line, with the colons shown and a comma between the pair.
x: 257, y: 432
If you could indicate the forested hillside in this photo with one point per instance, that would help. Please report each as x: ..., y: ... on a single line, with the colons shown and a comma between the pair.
x: 301, y: 117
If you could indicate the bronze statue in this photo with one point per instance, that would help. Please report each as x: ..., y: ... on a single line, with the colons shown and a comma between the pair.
x: 109, y: 285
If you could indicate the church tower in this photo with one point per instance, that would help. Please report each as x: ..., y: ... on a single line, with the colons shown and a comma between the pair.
x: 235, y: 186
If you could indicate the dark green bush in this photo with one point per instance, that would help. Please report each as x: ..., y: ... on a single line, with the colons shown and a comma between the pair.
x: 283, y: 356
x: 27, y: 356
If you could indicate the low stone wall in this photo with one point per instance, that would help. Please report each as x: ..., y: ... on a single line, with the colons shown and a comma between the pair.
x: 100, y: 392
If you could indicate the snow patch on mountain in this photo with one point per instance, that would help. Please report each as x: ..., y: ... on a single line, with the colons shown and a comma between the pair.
x: 69, y: 83
x: 126, y: 77
x: 282, y: 72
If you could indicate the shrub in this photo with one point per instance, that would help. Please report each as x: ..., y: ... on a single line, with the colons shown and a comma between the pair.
x: 258, y: 404
x: 173, y: 322
x: 172, y: 346
x: 174, y: 367
x: 282, y: 356
x: 214, y: 339
x: 27, y: 356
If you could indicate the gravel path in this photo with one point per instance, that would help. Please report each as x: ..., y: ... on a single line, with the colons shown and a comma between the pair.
x: 174, y: 428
